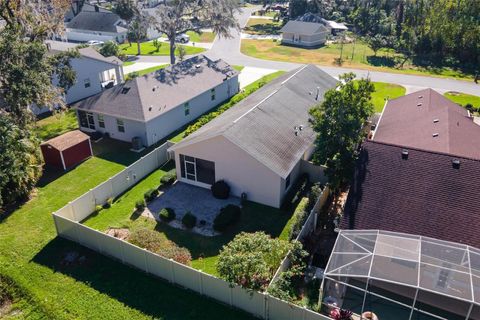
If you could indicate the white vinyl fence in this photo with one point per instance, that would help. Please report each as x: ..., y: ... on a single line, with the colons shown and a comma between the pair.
x: 67, y: 223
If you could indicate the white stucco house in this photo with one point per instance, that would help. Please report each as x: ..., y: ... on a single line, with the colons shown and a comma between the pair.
x: 258, y: 145
x: 304, y: 34
x: 94, y: 73
x: 152, y: 106
x: 96, y: 25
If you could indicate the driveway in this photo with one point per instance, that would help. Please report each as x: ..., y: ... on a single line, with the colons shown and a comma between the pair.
x: 139, y: 66
x: 182, y: 198
x: 251, y: 74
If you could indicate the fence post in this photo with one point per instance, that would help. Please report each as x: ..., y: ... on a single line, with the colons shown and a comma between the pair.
x: 73, y: 211
x: 111, y: 188
x: 172, y: 267
x: 55, y: 222
x: 200, y: 275
x: 145, y: 252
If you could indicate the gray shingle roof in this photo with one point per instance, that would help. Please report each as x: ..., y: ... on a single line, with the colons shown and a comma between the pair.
x: 263, y: 123
x: 88, y: 52
x: 306, y: 28
x: 96, y: 21
x: 149, y: 96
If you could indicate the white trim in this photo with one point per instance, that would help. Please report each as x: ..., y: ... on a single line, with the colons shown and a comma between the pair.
x: 90, y: 145
x: 63, y: 160
x: 379, y: 119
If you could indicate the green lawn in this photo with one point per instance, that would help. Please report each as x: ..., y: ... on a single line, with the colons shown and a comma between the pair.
x: 145, y: 71
x: 205, y: 37
x: 204, y: 250
x: 463, y: 98
x: 56, y: 124
x: 262, y: 26
x: 357, y: 55
x: 147, y: 48
x: 128, y: 63
x: 238, y: 68
x: 31, y: 255
x: 385, y: 91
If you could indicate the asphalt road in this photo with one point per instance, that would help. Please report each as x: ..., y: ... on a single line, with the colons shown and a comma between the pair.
x: 228, y: 49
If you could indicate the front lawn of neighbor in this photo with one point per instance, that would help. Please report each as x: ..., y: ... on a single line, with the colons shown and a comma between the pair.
x: 147, y: 48
x: 262, y: 27
x: 363, y: 57
x: 385, y: 91
x: 463, y: 98
x: 144, y: 71
x: 56, y: 124
x: 99, y: 287
x: 204, y: 37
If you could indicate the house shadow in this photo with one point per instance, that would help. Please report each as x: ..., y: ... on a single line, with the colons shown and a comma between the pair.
x: 135, y: 289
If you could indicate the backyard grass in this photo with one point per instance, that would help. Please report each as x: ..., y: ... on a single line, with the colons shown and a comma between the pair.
x: 385, y: 91
x: 363, y: 57
x: 262, y: 26
x: 33, y: 257
x: 147, y: 48
x: 204, y: 37
x: 463, y: 98
x: 128, y: 63
x: 143, y: 72
x: 56, y: 124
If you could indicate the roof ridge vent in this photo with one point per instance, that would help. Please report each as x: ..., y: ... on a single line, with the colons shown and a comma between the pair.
x: 456, y: 163
x: 405, y: 154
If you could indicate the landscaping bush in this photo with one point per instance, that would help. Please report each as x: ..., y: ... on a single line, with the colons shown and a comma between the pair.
x: 156, y: 242
x: 108, y: 204
x: 189, y: 220
x: 98, y: 208
x: 228, y: 216
x: 220, y: 190
x: 298, y: 219
x: 140, y: 205
x: 167, y: 214
x: 168, y: 178
x: 150, y: 194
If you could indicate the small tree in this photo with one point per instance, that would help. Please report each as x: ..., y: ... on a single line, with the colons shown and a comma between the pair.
x: 338, y: 122
x: 109, y: 48
x: 251, y: 259
x: 181, y: 53
x: 126, y: 9
x: 376, y: 43
x: 157, y: 44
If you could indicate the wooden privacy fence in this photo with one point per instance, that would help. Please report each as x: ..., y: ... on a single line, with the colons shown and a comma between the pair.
x: 67, y: 223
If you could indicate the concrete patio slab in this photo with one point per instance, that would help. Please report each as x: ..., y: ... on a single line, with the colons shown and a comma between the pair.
x: 251, y: 74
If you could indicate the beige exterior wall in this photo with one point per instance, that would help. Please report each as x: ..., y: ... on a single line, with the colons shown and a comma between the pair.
x: 242, y: 172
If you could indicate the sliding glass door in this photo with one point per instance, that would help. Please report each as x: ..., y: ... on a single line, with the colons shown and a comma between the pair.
x: 198, y: 170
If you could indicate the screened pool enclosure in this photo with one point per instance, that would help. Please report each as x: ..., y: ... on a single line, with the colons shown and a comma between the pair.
x: 403, y: 276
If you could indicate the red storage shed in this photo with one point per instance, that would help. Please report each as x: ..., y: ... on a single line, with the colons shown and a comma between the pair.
x: 67, y: 150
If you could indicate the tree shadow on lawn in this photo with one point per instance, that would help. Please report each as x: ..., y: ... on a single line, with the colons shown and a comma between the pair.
x: 264, y: 29
x: 382, y: 61
x: 153, y: 297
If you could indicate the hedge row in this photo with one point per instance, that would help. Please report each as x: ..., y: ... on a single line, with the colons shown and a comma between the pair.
x: 234, y: 100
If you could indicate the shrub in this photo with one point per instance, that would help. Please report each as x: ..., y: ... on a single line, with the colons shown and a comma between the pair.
x: 168, y: 178
x: 98, y: 208
x: 157, y: 243
x: 220, y: 190
x: 108, y: 204
x: 140, y: 205
x: 189, y: 220
x: 228, y: 216
x: 299, y: 216
x: 167, y: 214
x: 150, y: 194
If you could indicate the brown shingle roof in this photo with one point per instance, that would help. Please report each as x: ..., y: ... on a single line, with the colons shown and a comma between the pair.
x: 67, y: 140
x: 414, y: 119
x: 422, y: 195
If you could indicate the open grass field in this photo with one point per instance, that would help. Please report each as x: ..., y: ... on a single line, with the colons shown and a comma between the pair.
x: 56, y: 124
x: 385, y: 91
x: 463, y: 99
x: 147, y: 48
x: 261, y: 26
x: 357, y: 55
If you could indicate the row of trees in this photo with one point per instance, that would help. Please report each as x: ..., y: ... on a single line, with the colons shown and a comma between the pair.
x: 177, y: 17
x: 431, y: 31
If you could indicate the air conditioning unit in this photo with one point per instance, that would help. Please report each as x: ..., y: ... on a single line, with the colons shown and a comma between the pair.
x: 137, y: 144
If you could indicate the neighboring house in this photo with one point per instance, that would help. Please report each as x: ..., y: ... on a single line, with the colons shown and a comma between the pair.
x: 259, y: 145
x: 405, y: 189
x: 96, y: 25
x: 304, y: 34
x: 94, y: 73
x: 152, y: 106
x: 427, y: 120
x: 332, y: 26
x: 78, y: 6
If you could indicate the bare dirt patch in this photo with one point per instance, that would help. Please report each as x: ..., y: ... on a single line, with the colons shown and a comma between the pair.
x: 119, y: 233
x: 5, y: 305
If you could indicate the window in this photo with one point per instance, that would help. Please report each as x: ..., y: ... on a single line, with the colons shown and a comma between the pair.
x: 197, y: 169
x: 101, y: 121
x: 86, y: 82
x: 187, y: 108
x: 120, y: 125
x: 212, y: 94
x: 86, y: 120
x: 287, y: 182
